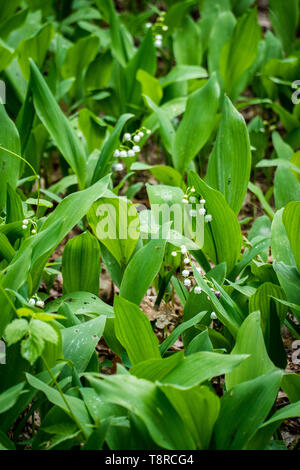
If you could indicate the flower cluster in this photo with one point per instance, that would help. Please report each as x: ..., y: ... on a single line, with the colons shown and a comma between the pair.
x: 36, y: 302
x: 129, y: 147
x: 191, y: 198
x: 158, y: 28
x: 25, y: 225
x: 188, y: 279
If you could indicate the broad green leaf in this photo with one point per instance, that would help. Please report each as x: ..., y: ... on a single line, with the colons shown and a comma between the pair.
x: 35, y: 48
x: 200, y: 342
x: 165, y: 174
x: 250, y: 341
x: 6, y: 250
x: 43, y: 330
x: 14, y: 208
x: 199, y: 407
x: 81, y: 264
x: 143, y: 266
x: 74, y: 406
x: 170, y: 340
x: 197, y: 124
x: 13, y: 277
x: 6, y: 55
x: 59, y: 128
x: 77, y: 59
x: 10, y: 396
x: 290, y: 384
x: 222, y: 236
x: 93, y: 129
x: 291, y: 220
x: 143, y: 59
x: 8, y: 9
x: 115, y: 222
x: 186, y: 372
x: 150, y: 86
x: 284, y: 17
x: 116, y: 30
x: 280, y: 244
x: 180, y: 73
x: 187, y: 45
x: 148, y: 402
x: 243, y: 410
x: 166, y: 128
x: 268, y: 428
x: 16, y: 330
x: 220, y: 34
x: 80, y: 341
x: 272, y: 316
x: 230, y: 162
x: 239, y: 53
x: 81, y: 303
x: 10, y: 164
x: 58, y: 224
x: 130, y: 320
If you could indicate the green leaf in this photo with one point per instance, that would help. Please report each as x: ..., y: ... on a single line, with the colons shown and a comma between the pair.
x: 144, y: 266
x: 291, y: 220
x: 116, y: 30
x: 149, y: 403
x: 185, y: 372
x: 44, y: 331
x: 73, y: 406
x: 115, y: 222
x: 104, y: 162
x: 77, y: 59
x: 272, y: 316
x: 79, y: 341
x: 35, y: 48
x: 10, y: 164
x: 268, y: 428
x: 165, y: 174
x: 244, y: 409
x: 221, y: 31
x: 187, y: 45
x: 143, y: 59
x: 231, y: 318
x: 150, y: 86
x: 81, y: 264
x: 6, y: 55
x: 284, y: 17
x: 290, y: 384
x: 10, y: 396
x: 93, y: 128
x: 59, y: 128
x: 59, y: 223
x: 199, y: 407
x: 250, y: 341
x: 166, y: 128
x: 32, y: 348
x: 239, y: 53
x: 170, y: 340
x: 129, y: 320
x: 222, y: 236
x: 81, y: 303
x: 197, y: 124
x: 13, y: 277
x: 15, y: 331
x: 230, y: 162
x: 180, y: 73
